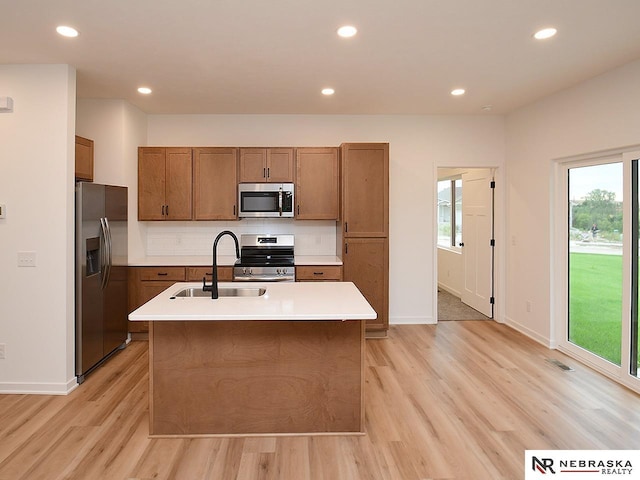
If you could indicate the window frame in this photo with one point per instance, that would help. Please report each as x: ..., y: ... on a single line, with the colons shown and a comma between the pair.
x: 452, y: 215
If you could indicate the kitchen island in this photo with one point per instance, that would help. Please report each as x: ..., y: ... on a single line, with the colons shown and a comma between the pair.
x: 290, y: 361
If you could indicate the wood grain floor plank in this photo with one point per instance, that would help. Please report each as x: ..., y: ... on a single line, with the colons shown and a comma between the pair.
x: 460, y: 400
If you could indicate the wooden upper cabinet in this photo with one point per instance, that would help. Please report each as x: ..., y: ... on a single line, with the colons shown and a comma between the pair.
x: 215, y: 183
x: 317, y: 192
x: 253, y: 164
x: 179, y: 184
x: 280, y: 165
x: 151, y: 183
x: 84, y: 159
x: 365, y: 189
x: 262, y: 165
x: 164, y: 183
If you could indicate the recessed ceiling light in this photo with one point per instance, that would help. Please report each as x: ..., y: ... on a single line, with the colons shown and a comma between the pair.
x: 328, y: 91
x: 144, y: 90
x: 67, y: 31
x: 458, y: 91
x: 347, y: 31
x: 545, y: 33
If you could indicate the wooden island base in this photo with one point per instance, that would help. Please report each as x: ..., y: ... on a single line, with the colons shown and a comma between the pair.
x: 256, y: 377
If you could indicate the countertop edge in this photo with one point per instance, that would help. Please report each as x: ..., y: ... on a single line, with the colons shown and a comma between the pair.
x: 223, y: 261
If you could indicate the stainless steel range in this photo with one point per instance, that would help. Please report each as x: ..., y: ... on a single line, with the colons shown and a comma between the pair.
x: 265, y: 258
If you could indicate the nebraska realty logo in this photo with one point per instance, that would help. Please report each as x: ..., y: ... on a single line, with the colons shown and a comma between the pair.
x: 581, y: 464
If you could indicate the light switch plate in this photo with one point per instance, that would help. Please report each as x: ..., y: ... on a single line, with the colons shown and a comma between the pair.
x: 6, y: 104
x: 26, y: 259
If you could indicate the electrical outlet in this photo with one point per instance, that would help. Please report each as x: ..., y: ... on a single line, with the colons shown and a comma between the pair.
x: 26, y: 259
x: 3, y: 348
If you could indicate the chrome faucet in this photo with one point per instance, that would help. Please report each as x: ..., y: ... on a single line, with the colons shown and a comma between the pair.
x: 214, y: 283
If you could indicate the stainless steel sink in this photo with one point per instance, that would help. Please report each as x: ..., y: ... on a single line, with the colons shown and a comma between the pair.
x: 222, y: 292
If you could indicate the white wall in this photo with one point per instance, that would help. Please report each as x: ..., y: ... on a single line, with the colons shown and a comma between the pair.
x: 417, y: 145
x: 602, y: 113
x: 117, y: 129
x: 36, y: 185
x: 450, y: 271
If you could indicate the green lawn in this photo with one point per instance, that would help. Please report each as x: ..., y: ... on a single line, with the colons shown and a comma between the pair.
x: 595, y: 307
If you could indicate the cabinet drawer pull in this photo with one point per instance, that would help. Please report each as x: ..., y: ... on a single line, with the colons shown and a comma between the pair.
x: 162, y: 274
x: 318, y: 273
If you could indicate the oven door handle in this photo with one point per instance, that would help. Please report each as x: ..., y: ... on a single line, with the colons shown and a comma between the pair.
x: 280, y: 201
x: 279, y: 278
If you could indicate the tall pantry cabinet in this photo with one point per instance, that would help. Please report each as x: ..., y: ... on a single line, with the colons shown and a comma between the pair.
x: 364, y: 225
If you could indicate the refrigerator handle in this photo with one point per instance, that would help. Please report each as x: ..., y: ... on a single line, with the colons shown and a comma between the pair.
x: 103, y: 254
x: 108, y: 238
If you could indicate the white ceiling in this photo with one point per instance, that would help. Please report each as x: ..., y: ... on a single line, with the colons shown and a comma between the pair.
x: 274, y: 56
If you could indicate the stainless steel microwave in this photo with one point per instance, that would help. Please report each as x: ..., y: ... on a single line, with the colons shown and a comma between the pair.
x: 262, y: 200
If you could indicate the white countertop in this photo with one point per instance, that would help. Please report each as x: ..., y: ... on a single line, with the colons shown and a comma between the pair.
x: 282, y: 301
x: 222, y: 260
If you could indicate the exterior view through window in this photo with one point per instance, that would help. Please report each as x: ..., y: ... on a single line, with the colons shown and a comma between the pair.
x: 595, y: 259
x: 450, y: 212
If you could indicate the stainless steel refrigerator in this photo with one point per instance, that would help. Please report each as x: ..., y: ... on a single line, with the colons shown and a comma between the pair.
x: 101, y: 274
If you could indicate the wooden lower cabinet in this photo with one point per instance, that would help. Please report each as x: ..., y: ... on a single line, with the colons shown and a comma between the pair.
x: 147, y: 282
x: 366, y: 264
x: 319, y: 273
x: 196, y: 274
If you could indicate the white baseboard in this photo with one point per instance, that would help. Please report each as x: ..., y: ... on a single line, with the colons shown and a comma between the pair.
x: 412, y: 321
x: 39, y: 388
x: 452, y: 291
x: 528, y: 332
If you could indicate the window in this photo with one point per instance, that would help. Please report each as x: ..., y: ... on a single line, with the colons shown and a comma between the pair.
x: 596, y: 262
x: 450, y: 212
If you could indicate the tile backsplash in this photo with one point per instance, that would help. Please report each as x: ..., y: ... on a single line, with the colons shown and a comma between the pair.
x: 196, y: 238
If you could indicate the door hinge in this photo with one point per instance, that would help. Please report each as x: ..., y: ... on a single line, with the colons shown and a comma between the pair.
x: 493, y: 184
x: 492, y: 242
x: 492, y: 300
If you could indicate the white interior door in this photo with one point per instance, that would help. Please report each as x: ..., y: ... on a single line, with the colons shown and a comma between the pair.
x: 477, y: 249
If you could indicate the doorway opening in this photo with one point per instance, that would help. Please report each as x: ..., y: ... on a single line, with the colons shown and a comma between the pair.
x: 465, y: 243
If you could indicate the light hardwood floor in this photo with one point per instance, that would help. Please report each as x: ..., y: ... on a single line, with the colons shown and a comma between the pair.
x: 461, y: 400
